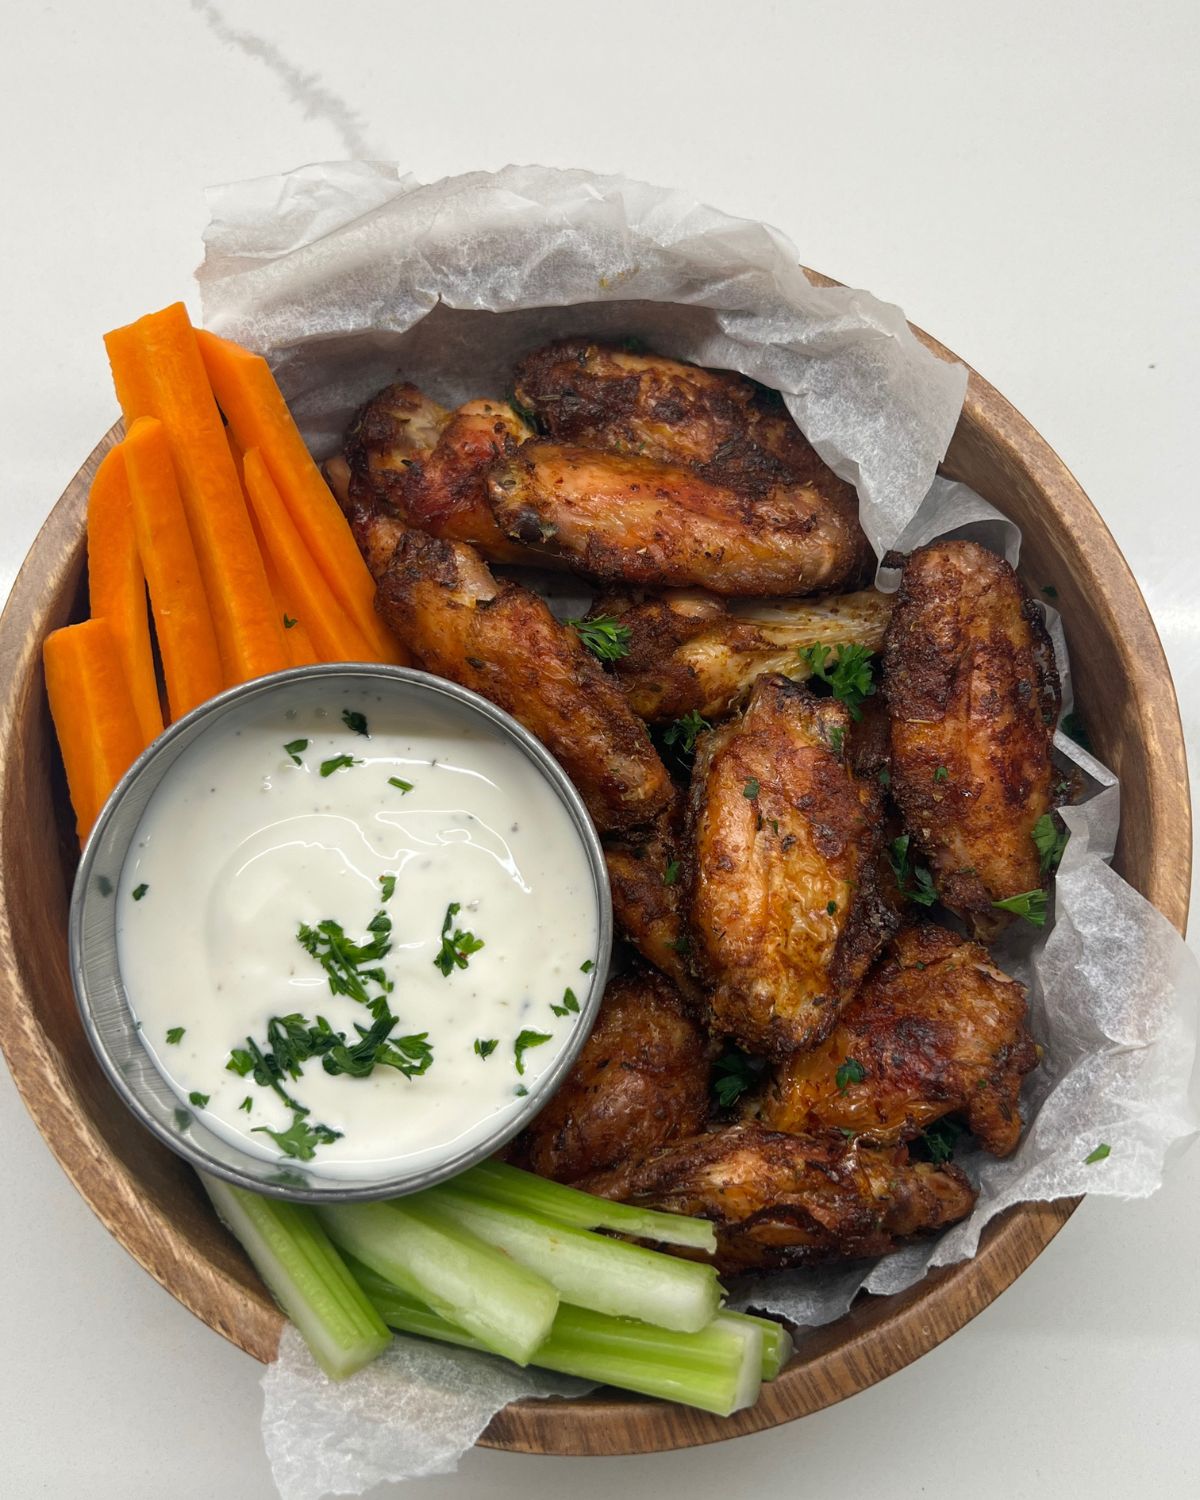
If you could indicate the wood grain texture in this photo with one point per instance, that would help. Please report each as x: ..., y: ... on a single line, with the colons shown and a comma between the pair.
x: 152, y: 1203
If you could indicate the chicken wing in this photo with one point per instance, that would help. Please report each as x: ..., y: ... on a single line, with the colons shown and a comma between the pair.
x: 640, y: 1081
x: 429, y: 465
x: 936, y: 1029
x: 692, y: 652
x: 973, y: 694
x: 782, y: 1200
x: 501, y: 640
x: 645, y: 872
x: 785, y: 841
x: 640, y: 521
x: 602, y: 396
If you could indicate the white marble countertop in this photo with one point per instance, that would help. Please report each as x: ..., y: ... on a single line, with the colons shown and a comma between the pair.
x: 1021, y: 178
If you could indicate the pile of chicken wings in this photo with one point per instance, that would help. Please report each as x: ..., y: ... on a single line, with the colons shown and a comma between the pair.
x: 795, y: 777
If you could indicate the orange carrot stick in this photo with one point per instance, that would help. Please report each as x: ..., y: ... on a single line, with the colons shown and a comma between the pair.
x: 158, y: 372
x: 187, y: 641
x: 254, y: 407
x: 300, y: 647
x: 334, y: 634
x: 117, y: 586
x: 93, y: 714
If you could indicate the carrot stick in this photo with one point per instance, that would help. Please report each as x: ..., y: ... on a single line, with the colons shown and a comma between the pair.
x: 334, y: 634
x: 158, y: 372
x: 254, y: 407
x: 299, y: 643
x: 117, y: 586
x: 93, y: 712
x: 300, y: 647
x: 187, y: 641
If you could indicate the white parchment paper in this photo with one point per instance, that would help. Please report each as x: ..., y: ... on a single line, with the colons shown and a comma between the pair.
x: 347, y: 275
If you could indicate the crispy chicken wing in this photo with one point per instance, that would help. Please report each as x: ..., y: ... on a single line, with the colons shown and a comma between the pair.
x: 429, y: 465
x: 641, y: 521
x: 645, y: 871
x: 786, y: 910
x: 973, y: 693
x: 936, y: 1029
x: 692, y: 652
x: 791, y: 1200
x: 606, y: 397
x: 501, y: 640
x: 640, y: 1081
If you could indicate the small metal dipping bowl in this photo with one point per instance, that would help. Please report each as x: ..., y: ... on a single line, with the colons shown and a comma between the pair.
x: 104, y: 1006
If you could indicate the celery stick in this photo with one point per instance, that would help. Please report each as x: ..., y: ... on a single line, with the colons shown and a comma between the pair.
x: 590, y: 1270
x: 777, y: 1341
x: 428, y: 1254
x: 500, y: 1183
x: 305, y: 1275
x: 715, y: 1370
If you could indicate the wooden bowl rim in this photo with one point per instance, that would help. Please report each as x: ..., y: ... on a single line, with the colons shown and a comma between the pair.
x: 838, y: 1360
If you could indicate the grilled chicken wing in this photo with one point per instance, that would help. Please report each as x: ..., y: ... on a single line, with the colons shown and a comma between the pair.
x: 501, y: 640
x: 791, y: 1200
x: 973, y: 693
x: 606, y: 397
x: 936, y: 1029
x: 429, y: 465
x: 640, y: 1081
x: 692, y: 652
x: 785, y: 843
x: 640, y: 521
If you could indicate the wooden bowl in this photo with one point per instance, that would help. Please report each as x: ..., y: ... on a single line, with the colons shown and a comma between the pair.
x: 153, y: 1204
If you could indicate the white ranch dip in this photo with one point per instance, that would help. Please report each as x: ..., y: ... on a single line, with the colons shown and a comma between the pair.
x: 245, y: 843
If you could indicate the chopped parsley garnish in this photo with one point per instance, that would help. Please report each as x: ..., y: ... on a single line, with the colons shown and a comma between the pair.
x: 175, y: 1035
x: 404, y: 786
x: 569, y: 1006
x: 338, y: 763
x: 1102, y: 1150
x: 457, y: 945
x: 836, y: 735
x: 300, y: 1139
x: 671, y: 873
x: 1049, y: 590
x: 198, y: 1099
x: 1049, y: 841
x: 523, y: 1043
x: 940, y: 1139
x: 851, y: 677
x: 139, y: 891
x: 680, y: 944
x: 104, y: 885
x: 603, y: 637
x: 941, y: 774
x: 293, y: 1040
x: 851, y: 1071
x: 520, y: 1091
x: 735, y: 1072
x: 355, y: 722
x: 1029, y: 904
x: 885, y: 777
x: 288, y: 622
x: 586, y: 966
x: 831, y: 908
x: 350, y: 966
x: 914, y: 882
x: 486, y: 1048
x: 387, y: 884
x: 294, y: 747
x: 685, y: 732
x: 247, y: 1104
x: 751, y: 789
